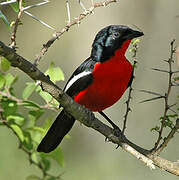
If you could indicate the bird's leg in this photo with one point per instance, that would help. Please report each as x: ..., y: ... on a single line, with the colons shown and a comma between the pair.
x: 117, y: 130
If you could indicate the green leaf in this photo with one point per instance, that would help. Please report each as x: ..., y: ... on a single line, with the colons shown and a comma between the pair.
x: 57, y: 155
x: 9, y: 79
x: 18, y: 119
x: 5, y: 20
x: 36, y: 114
x: 52, y: 178
x: 46, y: 96
x: 27, y: 141
x: 31, y: 104
x: 55, y: 103
x: 2, y: 81
x: 36, y: 134
x: 156, y: 128
x: 18, y: 131
x: 45, y: 163
x: 5, y: 64
x: 47, y: 124
x: 135, y: 41
x: 29, y: 89
x: 33, y: 116
x: 10, y: 107
x: 176, y: 78
x: 55, y: 73
x: 15, y: 6
x: 35, y: 157
x: 33, y: 177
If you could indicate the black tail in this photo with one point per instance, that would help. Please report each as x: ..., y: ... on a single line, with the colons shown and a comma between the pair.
x: 56, y: 133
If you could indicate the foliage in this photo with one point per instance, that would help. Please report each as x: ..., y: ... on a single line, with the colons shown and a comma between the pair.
x: 24, y: 125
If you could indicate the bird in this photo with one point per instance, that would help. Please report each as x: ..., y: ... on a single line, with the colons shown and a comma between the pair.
x: 98, y: 82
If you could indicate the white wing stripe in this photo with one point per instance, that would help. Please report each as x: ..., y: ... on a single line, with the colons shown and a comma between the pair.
x: 75, y: 78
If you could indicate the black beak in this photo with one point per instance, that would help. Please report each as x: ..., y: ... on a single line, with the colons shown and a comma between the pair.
x: 137, y: 34
x: 134, y: 34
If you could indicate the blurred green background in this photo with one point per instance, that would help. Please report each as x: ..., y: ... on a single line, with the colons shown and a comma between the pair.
x: 87, y: 156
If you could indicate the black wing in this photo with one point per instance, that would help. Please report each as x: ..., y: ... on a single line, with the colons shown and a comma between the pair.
x: 81, y: 78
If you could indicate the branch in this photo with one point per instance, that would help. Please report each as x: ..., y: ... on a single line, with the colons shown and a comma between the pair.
x: 16, y: 24
x: 134, y: 50
x: 68, y: 26
x: 21, y: 102
x: 169, y: 137
x: 85, y: 116
x: 166, y: 98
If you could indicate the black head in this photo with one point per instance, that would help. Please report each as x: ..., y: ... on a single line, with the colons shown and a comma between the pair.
x: 111, y: 38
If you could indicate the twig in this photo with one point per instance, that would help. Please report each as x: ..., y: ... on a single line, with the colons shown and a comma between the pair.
x: 20, y: 102
x: 170, y: 60
x: 13, y: 36
x: 68, y: 26
x: 169, y: 137
x: 128, y: 109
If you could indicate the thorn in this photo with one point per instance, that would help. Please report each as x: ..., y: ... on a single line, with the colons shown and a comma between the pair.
x: 78, y: 21
x: 172, y: 42
x: 155, y: 69
x: 82, y: 5
x: 152, y: 99
x: 175, y: 71
x: 151, y: 92
x: 129, y: 109
x: 37, y: 19
x: 38, y: 83
x: 68, y: 11
x: 104, y: 4
x: 165, y: 60
x: 172, y: 110
x: 173, y: 105
x: 92, y: 2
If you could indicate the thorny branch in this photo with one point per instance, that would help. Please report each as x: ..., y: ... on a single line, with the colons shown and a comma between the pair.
x: 84, y: 115
x: 76, y: 21
x: 128, y: 109
x: 16, y: 24
x: 166, y: 99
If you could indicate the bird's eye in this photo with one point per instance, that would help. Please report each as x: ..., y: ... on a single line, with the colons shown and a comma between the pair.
x: 116, y: 35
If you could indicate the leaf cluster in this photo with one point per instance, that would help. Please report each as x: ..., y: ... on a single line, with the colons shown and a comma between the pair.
x: 24, y: 125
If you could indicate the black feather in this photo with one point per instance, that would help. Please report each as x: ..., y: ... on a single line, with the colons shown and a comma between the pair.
x: 56, y: 133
